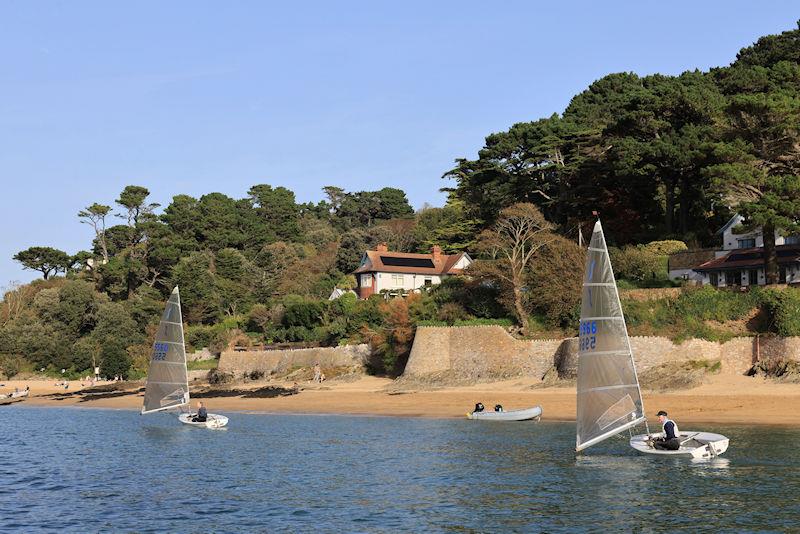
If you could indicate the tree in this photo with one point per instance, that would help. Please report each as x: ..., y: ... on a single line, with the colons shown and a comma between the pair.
x: 555, y: 281
x: 519, y: 233
x: 447, y: 227
x: 335, y: 196
x: 134, y: 199
x: 95, y: 216
x: 181, y: 216
x: 277, y: 210
x: 47, y: 260
x: 199, y: 296
x: 351, y: 249
x: 218, y: 222
x: 759, y: 157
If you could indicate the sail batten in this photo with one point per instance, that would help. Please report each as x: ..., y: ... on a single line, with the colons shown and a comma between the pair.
x: 609, y: 397
x: 167, y: 380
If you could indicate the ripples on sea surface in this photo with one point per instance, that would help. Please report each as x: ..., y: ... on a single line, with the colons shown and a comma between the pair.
x: 89, y: 470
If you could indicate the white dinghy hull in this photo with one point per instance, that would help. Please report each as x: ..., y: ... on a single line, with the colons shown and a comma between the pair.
x: 693, y: 445
x: 212, y: 421
x: 511, y: 415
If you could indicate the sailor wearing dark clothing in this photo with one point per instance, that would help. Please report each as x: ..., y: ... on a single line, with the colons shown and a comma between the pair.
x: 670, y: 440
x: 479, y: 407
x: 202, y: 414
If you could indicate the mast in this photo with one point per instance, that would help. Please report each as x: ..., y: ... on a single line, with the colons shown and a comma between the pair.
x: 609, y: 396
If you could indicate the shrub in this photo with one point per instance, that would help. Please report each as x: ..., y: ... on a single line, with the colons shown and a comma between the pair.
x: 258, y: 318
x: 199, y: 336
x: 639, y: 264
x: 665, y: 248
x: 451, y: 312
x: 306, y: 313
x: 783, y: 308
x: 9, y: 365
x: 708, y: 303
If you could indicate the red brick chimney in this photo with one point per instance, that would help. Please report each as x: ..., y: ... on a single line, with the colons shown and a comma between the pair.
x: 437, y: 253
x: 381, y: 247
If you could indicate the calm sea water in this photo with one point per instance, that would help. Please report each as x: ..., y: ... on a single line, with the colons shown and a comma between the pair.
x: 84, y: 470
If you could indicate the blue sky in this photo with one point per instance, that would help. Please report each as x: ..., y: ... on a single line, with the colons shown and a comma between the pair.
x: 195, y: 97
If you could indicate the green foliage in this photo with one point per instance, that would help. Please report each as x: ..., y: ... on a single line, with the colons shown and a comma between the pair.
x: 47, y: 260
x: 505, y: 323
x: 643, y: 263
x: 665, y: 248
x: 202, y: 365
x: 783, y: 309
x: 303, y: 313
x: 10, y: 365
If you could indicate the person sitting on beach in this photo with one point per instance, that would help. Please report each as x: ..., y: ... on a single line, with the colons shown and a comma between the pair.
x: 669, y: 441
x: 498, y: 407
x: 202, y: 414
x: 478, y: 407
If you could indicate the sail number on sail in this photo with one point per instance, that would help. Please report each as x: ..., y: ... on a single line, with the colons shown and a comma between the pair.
x: 160, y: 351
x: 587, y: 337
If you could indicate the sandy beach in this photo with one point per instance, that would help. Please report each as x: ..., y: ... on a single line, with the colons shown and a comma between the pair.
x: 723, y: 399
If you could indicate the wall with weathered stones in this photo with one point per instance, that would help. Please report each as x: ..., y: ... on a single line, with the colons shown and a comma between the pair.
x: 483, y: 353
x: 282, y: 361
x: 477, y: 353
x: 199, y: 355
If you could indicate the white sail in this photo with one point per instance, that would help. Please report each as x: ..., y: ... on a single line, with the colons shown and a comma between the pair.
x: 167, y: 382
x: 609, y: 397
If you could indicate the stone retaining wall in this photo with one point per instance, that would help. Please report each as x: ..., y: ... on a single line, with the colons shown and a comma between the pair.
x: 484, y: 353
x: 478, y: 353
x: 282, y: 361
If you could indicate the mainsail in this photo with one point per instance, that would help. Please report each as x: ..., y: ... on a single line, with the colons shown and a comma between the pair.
x: 609, y: 398
x: 167, y: 383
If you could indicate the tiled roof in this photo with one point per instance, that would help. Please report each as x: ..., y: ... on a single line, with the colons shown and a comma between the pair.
x: 443, y: 264
x: 750, y: 258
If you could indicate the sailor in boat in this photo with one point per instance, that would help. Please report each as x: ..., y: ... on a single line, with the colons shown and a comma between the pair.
x: 670, y: 441
x: 498, y: 407
x: 202, y: 414
x: 478, y: 407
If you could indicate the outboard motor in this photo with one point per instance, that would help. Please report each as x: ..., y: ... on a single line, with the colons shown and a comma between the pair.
x: 479, y: 407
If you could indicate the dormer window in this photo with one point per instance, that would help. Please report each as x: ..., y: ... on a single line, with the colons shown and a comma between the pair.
x: 747, y: 243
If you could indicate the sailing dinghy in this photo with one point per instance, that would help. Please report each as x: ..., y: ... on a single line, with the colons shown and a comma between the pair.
x: 609, y: 396
x: 167, y: 380
x: 511, y: 415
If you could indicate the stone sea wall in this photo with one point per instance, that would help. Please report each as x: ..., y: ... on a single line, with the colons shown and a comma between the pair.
x: 484, y: 353
x: 283, y: 361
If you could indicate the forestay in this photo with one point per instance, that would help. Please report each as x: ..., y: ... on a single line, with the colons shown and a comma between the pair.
x: 167, y: 383
x: 609, y: 398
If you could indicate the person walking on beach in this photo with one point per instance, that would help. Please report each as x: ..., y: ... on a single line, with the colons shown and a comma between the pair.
x: 202, y: 414
x: 670, y: 441
x: 317, y: 373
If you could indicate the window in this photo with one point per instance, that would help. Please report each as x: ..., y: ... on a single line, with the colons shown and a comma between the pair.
x: 428, y: 281
x: 713, y: 279
x: 792, y: 240
x: 366, y: 280
x: 398, y: 280
x: 747, y: 243
x: 752, y: 277
x: 733, y: 278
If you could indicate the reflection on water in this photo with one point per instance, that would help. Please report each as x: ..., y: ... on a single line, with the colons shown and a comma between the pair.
x: 100, y: 470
